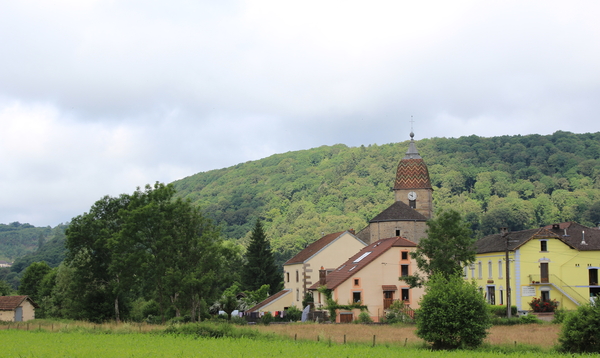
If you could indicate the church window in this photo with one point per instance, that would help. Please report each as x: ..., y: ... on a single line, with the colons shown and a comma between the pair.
x: 412, y: 204
x: 397, y: 232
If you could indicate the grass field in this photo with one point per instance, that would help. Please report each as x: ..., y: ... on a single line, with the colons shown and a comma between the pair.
x: 36, y: 343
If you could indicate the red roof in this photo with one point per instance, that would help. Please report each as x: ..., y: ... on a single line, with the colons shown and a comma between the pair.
x: 412, y: 174
x: 315, y: 247
x: 270, y: 299
x: 9, y: 303
x: 361, y: 259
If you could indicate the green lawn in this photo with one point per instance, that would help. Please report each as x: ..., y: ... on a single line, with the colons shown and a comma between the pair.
x: 76, y: 344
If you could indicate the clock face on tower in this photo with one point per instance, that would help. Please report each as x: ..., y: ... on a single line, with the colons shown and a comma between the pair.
x: 412, y: 196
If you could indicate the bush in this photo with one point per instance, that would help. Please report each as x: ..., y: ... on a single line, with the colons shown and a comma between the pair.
x: 453, y: 313
x: 581, y: 330
x: 212, y: 329
x: 561, y: 315
x: 500, y: 311
x: 529, y: 318
x: 364, y: 317
x: 398, y: 313
x: 538, y: 305
x: 266, y: 318
x: 293, y: 314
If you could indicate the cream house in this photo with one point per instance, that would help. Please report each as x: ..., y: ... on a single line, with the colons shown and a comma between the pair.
x: 302, y: 270
x: 17, y: 308
x: 373, y: 277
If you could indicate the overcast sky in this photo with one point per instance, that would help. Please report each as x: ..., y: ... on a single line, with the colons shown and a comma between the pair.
x: 99, y: 97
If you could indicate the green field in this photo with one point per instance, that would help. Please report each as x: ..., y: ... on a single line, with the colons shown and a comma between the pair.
x: 14, y: 343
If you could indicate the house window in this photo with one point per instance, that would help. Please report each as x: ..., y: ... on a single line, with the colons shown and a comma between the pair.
x: 593, y: 274
x: 356, y: 282
x: 501, y: 296
x: 403, y: 270
x: 297, y: 295
x: 490, y: 273
x: 472, y: 271
x: 404, y: 255
x: 297, y: 276
x: 405, y: 294
x: 356, y: 297
x: 287, y: 274
x: 480, y: 270
x: 491, y: 295
x: 543, y: 245
x: 465, y: 272
x: 499, y: 268
x: 545, y: 296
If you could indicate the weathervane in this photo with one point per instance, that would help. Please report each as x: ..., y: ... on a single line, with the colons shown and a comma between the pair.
x: 412, y: 134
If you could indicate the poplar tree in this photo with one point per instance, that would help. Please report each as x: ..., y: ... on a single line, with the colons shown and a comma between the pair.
x: 260, y: 268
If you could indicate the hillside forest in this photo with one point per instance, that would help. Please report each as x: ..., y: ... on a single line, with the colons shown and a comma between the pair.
x: 515, y: 181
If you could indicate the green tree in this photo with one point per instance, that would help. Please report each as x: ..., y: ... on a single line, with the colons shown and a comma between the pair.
x: 5, y: 289
x: 447, y: 248
x: 581, y: 330
x: 32, y: 278
x: 260, y: 268
x: 452, y: 313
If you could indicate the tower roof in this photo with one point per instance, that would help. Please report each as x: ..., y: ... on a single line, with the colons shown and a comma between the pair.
x: 412, y: 171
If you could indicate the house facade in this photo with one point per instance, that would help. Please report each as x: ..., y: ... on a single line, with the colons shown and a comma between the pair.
x: 17, y: 308
x: 302, y: 270
x: 557, y: 262
x: 373, y: 277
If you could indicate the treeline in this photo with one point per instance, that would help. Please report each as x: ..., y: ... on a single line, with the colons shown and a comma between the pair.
x: 18, y: 239
x: 515, y: 181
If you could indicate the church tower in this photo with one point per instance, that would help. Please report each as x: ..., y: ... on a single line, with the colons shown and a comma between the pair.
x: 413, y: 186
x: 413, y: 204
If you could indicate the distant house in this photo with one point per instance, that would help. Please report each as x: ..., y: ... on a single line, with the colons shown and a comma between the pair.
x: 17, y: 308
x: 5, y: 264
x: 302, y: 270
x: 373, y: 277
x: 557, y: 262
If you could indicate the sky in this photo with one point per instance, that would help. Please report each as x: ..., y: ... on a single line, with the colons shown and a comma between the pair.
x: 100, y: 97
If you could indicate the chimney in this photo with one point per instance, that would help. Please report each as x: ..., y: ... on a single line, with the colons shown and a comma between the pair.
x: 351, y: 231
x: 583, y: 238
x: 322, y: 277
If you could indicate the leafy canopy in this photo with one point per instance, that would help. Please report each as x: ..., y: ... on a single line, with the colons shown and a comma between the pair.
x: 447, y: 248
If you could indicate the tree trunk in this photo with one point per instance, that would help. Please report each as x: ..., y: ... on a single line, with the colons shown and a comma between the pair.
x: 117, y: 316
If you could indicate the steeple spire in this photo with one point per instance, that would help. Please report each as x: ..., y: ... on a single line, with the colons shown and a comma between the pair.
x: 412, y: 152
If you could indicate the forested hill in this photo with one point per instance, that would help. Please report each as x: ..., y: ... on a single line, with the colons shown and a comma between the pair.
x: 515, y: 181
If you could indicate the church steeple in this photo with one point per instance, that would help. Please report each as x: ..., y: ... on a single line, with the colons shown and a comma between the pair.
x: 412, y: 185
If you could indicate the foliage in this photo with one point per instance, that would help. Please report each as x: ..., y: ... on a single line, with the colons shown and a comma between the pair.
x: 293, y: 314
x: 254, y: 297
x: 308, y: 299
x: 447, y: 248
x: 560, y: 315
x: 581, y: 329
x: 260, y: 268
x: 529, y: 318
x: 51, y: 249
x: 147, y: 245
x: 229, y: 301
x: 32, y: 278
x: 364, y: 317
x: 500, y: 311
x: 539, y: 305
x: 453, y: 313
x: 267, y: 318
x: 332, y: 305
x: 212, y: 330
x: 18, y: 239
x: 5, y: 289
x: 398, y: 313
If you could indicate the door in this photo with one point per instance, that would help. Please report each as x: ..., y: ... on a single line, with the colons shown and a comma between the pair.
x: 491, y: 295
x: 388, y: 298
x: 19, y: 314
x: 544, y: 272
x: 346, y: 317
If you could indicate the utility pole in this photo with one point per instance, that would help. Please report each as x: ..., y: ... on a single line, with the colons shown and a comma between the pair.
x: 504, y: 232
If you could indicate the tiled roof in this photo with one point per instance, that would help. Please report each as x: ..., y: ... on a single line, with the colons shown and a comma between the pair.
x: 361, y: 259
x: 389, y: 288
x: 9, y: 303
x: 399, y: 211
x: 581, y: 237
x: 315, y: 247
x: 270, y: 299
x: 496, y: 243
x: 412, y: 174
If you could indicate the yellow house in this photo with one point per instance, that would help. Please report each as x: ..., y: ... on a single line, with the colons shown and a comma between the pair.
x: 557, y: 262
x: 373, y: 277
x: 302, y: 270
x: 17, y: 308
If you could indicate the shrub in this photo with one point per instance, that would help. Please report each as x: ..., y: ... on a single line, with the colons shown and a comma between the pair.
x: 529, y: 318
x: 364, y: 317
x: 500, y: 311
x: 453, y: 313
x: 581, y: 330
x: 561, y: 315
x: 538, y: 305
x: 266, y: 318
x: 293, y: 314
x: 398, y: 313
x: 212, y: 329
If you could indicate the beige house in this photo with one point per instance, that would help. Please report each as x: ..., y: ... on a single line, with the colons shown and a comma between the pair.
x: 373, y: 277
x: 302, y: 270
x: 17, y: 308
